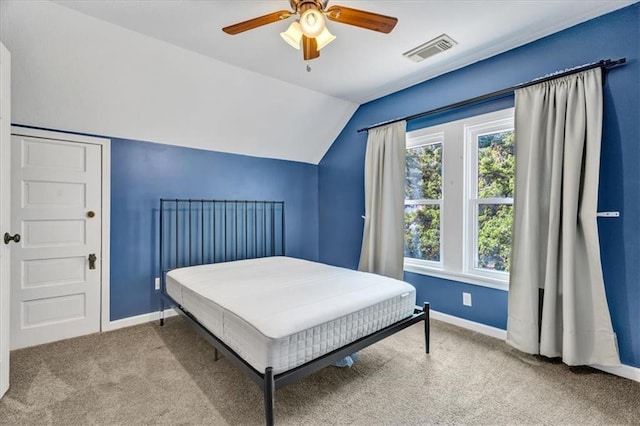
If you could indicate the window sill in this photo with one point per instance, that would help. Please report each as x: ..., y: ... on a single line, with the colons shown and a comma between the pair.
x: 460, y: 277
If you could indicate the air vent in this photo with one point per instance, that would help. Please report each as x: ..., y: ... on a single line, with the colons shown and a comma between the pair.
x: 430, y: 48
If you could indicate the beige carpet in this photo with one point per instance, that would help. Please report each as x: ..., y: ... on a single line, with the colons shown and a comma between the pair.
x: 152, y: 375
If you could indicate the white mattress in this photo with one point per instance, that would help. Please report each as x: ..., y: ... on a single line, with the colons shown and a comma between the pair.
x: 283, y: 312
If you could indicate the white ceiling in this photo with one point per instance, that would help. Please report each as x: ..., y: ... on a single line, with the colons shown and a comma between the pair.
x: 359, y: 65
x: 163, y: 71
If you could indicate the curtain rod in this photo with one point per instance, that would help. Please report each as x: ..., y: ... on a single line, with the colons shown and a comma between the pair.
x: 605, y: 63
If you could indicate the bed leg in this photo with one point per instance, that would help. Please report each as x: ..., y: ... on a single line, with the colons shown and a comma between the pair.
x: 426, y: 327
x: 161, y: 311
x: 269, y: 389
x: 216, y: 354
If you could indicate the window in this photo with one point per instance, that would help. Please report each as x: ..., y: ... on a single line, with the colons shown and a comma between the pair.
x: 490, y: 167
x: 423, y: 199
x: 459, y: 199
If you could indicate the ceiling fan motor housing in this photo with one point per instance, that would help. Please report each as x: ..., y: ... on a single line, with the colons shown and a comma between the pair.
x: 300, y: 6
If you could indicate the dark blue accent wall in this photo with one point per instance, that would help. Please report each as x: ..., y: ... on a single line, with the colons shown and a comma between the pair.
x: 341, y: 186
x: 143, y: 172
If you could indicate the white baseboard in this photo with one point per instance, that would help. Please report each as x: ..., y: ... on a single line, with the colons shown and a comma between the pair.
x: 626, y: 371
x: 498, y: 333
x: 138, y: 319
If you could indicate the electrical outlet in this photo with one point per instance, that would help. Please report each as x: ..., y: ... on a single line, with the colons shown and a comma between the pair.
x: 466, y: 299
x: 157, y: 283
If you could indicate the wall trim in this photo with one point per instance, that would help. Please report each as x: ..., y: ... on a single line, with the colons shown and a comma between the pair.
x: 487, y: 330
x: 61, y: 135
x: 138, y: 319
x: 626, y: 371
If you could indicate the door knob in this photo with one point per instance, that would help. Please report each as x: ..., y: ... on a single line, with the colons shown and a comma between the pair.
x: 8, y: 237
x: 92, y: 261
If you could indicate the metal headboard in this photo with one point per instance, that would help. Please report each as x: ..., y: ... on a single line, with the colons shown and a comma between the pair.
x: 196, y: 232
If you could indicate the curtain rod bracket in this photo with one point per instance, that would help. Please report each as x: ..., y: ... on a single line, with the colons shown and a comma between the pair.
x: 608, y: 214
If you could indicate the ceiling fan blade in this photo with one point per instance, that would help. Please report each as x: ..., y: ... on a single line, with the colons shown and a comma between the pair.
x: 309, y: 48
x: 362, y: 19
x: 257, y: 22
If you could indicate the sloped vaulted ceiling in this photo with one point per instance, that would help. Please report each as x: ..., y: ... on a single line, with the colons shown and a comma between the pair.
x: 77, y: 73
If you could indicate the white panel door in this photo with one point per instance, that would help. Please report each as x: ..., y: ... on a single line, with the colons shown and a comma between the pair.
x: 5, y: 213
x: 55, y: 268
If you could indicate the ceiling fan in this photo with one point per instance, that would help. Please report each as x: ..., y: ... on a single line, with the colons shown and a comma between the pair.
x: 309, y: 28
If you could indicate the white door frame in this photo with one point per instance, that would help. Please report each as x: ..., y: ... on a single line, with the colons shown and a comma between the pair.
x: 5, y: 213
x: 106, y: 204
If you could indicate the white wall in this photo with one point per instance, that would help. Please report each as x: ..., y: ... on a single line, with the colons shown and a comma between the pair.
x: 76, y: 73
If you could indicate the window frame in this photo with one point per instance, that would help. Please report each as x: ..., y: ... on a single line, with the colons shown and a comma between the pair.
x: 455, y: 210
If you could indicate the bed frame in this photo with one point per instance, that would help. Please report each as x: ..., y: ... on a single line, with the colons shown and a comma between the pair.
x: 196, y: 232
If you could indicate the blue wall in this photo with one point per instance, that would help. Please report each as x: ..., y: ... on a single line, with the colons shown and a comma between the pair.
x: 142, y: 173
x: 341, y: 193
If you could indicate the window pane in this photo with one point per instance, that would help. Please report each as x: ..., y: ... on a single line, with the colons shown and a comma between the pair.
x: 496, y: 165
x: 422, y: 232
x: 424, y: 173
x: 494, y: 236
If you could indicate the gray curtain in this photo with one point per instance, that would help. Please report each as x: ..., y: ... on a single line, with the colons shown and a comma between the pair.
x: 383, y: 236
x: 555, y: 238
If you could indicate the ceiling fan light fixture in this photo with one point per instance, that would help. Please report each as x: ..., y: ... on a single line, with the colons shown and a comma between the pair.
x: 293, y: 35
x: 309, y: 32
x: 312, y: 22
x: 324, y: 38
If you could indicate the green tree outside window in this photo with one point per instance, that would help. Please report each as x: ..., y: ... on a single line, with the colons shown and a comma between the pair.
x: 496, y: 165
x: 423, y: 184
